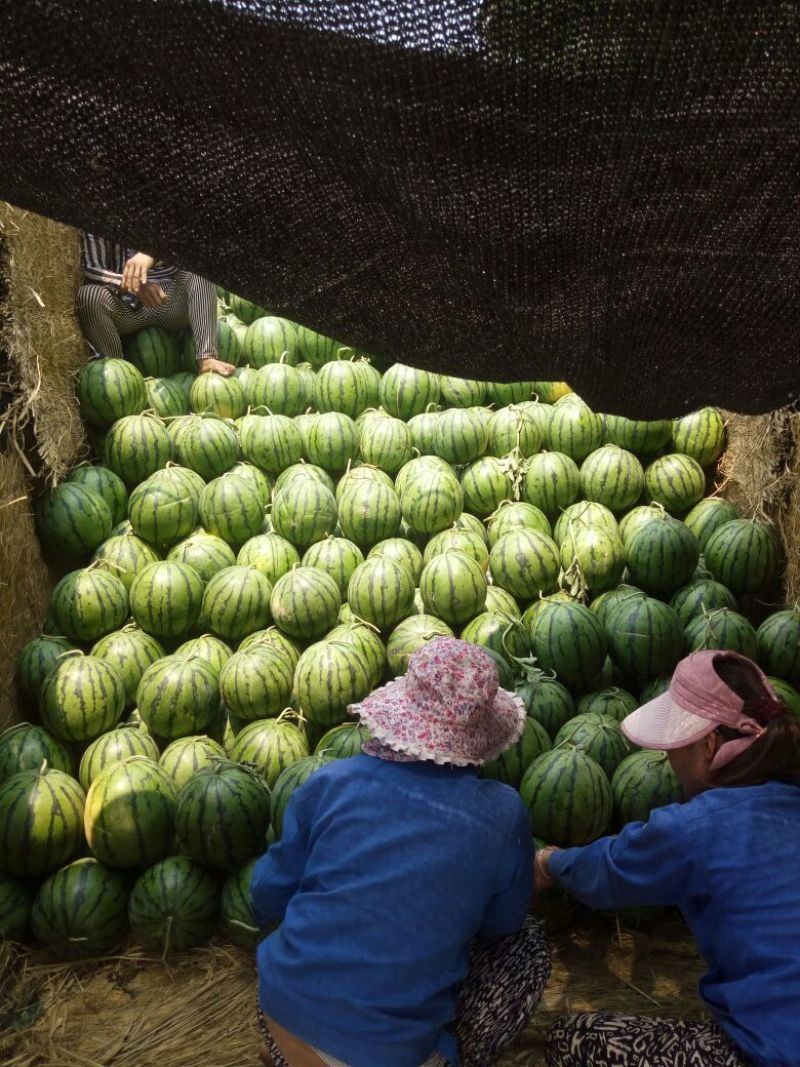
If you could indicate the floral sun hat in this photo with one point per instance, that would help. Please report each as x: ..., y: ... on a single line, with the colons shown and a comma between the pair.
x: 448, y: 708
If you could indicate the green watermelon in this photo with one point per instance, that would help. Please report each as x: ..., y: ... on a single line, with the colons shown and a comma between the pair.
x: 585, y: 515
x: 722, y: 628
x: 486, y: 483
x: 743, y: 555
x: 16, y: 901
x: 87, y: 604
x: 340, y: 387
x: 453, y: 588
x: 598, y: 736
x: 82, y: 697
x: 81, y: 911
x: 174, y: 906
x: 228, y: 347
x: 677, y: 482
x: 612, y: 702
x: 184, y: 757
x: 408, y: 391
x: 381, y: 592
x: 654, y: 688
x: 507, y: 637
x: 130, y: 810
x: 699, y: 597
x: 423, y: 431
x: 305, y: 602
x: 700, y: 435
x: 431, y: 501
x: 612, y: 476
x: 369, y: 512
x: 384, y: 442
x: 37, y: 659
x: 500, y: 602
x: 109, y: 390
x: 779, y: 645
x: 294, y: 776
x: 551, y: 481
x: 354, y: 476
x: 114, y: 747
x: 268, y: 746
x: 635, y: 520
x: 236, y: 602
x: 276, y: 387
x: 460, y: 435
x: 41, y: 822
x: 788, y: 694
x: 231, y: 508
x: 24, y: 747
x: 662, y: 556
x: 592, y: 559
x: 514, y: 516
x: 207, y: 647
x: 104, y: 482
x: 525, y: 563
x: 338, y: 557
x: 177, y: 697
x: 236, y: 908
x: 163, y: 509
x: 136, y: 447
x: 514, y: 429
x: 124, y: 555
x: 222, y: 815
x: 409, y: 636
x: 260, y: 482
x: 568, y: 797
x: 272, y: 442
x: 256, y: 682
x: 510, y: 766
x: 207, y: 445
x: 153, y: 351
x: 330, y: 676
x: 569, y: 639
x: 458, y: 540
x: 503, y: 393
x: 367, y: 642
x: 706, y: 518
x: 642, y: 438
x: 461, y: 392
x: 270, y: 554
x: 270, y: 339
x: 574, y: 430
x: 318, y: 349
x: 642, y: 782
x: 645, y: 638
x: 166, y: 599
x: 304, y: 513
x: 303, y: 470
x: 205, y: 553
x: 332, y: 440
x: 167, y: 398
x: 343, y: 741
x: 218, y: 395
x: 273, y: 638
x: 72, y: 519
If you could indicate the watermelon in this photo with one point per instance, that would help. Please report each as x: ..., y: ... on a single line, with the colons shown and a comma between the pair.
x: 551, y: 481
x: 166, y: 599
x: 24, y: 747
x: 16, y: 901
x: 568, y: 797
x: 788, y: 694
x: 423, y: 431
x: 88, y: 603
x: 72, y: 519
x: 81, y: 911
x: 272, y: 443
x: 503, y: 393
x: 612, y: 476
x: 381, y: 592
x: 461, y: 392
x: 153, y: 351
x: 367, y: 642
x: 304, y: 512
x: 642, y: 782
x: 256, y: 478
x: 338, y: 557
x: 409, y: 636
x: 104, y: 482
x: 700, y: 435
x: 592, y: 559
x: 655, y: 688
x: 642, y: 438
x: 453, y: 588
x: 460, y: 436
x: 208, y: 648
x: 598, y: 736
x: 178, y: 696
x: 222, y: 396
x: 236, y: 602
x: 585, y: 515
x: 167, y: 398
x: 408, y: 391
x: 136, y: 447
x: 569, y: 639
x: 109, y: 390
x: 270, y: 339
x: 340, y: 387
x: 743, y: 555
x: 343, y: 741
x: 700, y: 597
x: 510, y: 766
x: 513, y: 429
x: 231, y: 508
x: 205, y: 553
x: 525, y: 563
x: 36, y: 661
x: 130, y: 739
x: 236, y: 908
x: 305, y: 602
x: 332, y: 440
x: 431, y: 501
x: 636, y: 519
x: 706, y: 518
x: 551, y: 392
x: 256, y: 682
x: 677, y: 482
x: 163, y: 509
x: 458, y: 540
x: 574, y: 430
x: 183, y: 379
x: 276, y: 387
x: 508, y: 637
x: 779, y: 645
x: 273, y: 638
x: 354, y: 476
x: 612, y: 702
x: 662, y: 556
x: 514, y: 516
x: 270, y: 554
x: 486, y: 483
x: 318, y: 349
x: 292, y: 778
x: 82, y: 697
x: 124, y: 555
x: 372, y: 378
x: 268, y: 746
x: 645, y: 638
x: 130, y: 810
x: 222, y: 815
x: 384, y: 442
x: 207, y: 445
x: 330, y: 676
x: 722, y: 628
x: 228, y: 347
x: 41, y: 816
x: 502, y: 603
x: 174, y: 906
x: 369, y: 512
x: 183, y: 758
x: 420, y: 466
x: 303, y: 470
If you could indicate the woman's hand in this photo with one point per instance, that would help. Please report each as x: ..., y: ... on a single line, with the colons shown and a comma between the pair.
x: 134, y: 272
x: 542, y: 879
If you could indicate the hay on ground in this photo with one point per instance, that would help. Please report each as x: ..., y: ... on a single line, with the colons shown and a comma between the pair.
x: 41, y: 335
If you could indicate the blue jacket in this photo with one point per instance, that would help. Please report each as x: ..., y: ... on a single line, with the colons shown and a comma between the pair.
x: 730, y: 860
x: 383, y: 875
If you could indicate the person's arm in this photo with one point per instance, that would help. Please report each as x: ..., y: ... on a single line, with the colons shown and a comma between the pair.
x: 508, y: 907
x: 648, y: 863
x: 277, y: 875
x: 99, y: 260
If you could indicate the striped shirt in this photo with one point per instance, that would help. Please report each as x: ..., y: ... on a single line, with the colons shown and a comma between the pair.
x: 103, y: 261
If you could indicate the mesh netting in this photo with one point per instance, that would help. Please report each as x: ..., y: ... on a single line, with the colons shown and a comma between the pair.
x: 602, y: 191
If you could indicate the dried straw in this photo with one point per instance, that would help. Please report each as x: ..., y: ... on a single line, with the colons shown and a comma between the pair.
x: 41, y: 335
x: 790, y: 517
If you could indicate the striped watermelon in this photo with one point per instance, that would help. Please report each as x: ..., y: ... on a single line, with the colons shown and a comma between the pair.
x: 503, y: 393
x: 409, y: 636
x: 642, y: 782
x: 304, y: 512
x: 16, y: 901
x: 458, y: 540
x: 308, y: 376
x: 568, y: 797
x: 507, y: 637
x: 560, y: 597
x: 598, y: 736
x: 384, y: 442
x: 269, y: 746
x: 633, y: 522
x: 136, y: 447
x: 82, y: 697
x: 511, y: 765
x: 642, y: 438
x: 583, y: 515
x: 369, y: 512
x: 166, y: 599
x: 525, y: 563
x: 41, y: 822
x: 677, y: 482
x: 569, y: 639
x: 372, y: 378
x: 218, y: 395
x: 270, y: 554
x: 787, y: 693
x: 662, y: 556
x: 208, y: 445
x: 256, y: 682
x: 177, y: 697
x: 303, y: 470
x: 514, y: 429
x: 655, y: 688
x: 231, y: 508
x: 574, y: 430
x: 502, y: 603
x: 551, y: 481
x: 420, y: 467
x: 164, y: 508
x: 612, y: 702
x: 330, y: 676
x: 381, y: 592
x: 367, y: 642
x: 303, y: 423
x: 460, y: 436
x: 318, y: 349
x: 408, y: 391
x: 236, y: 908
x: 81, y: 911
x: 174, y: 906
x: 338, y: 557
x: 278, y: 388
x: 431, y: 501
x: 779, y: 645
x: 343, y: 741
x: 184, y: 379
x: 130, y: 811
x: 110, y: 389
x: 222, y: 815
x: 423, y: 431
x: 273, y: 638
x: 515, y: 516
x: 453, y: 588
x: 257, y: 479
x: 183, y: 758
x: 486, y: 483
x: 722, y: 628
x: 36, y: 661
x: 166, y: 397
x: 105, y: 483
x: 700, y: 435
x: 551, y: 392
x: 401, y: 551
x: 130, y: 652
x: 130, y: 739
x: 270, y: 339
x: 292, y: 778
x: 208, y: 648
x: 332, y: 440
x: 743, y: 555
x: 645, y: 638
x: 612, y: 476
x: 24, y: 747
x: 153, y: 351
x: 546, y: 701
x: 592, y: 559
x: 305, y: 603
x: 236, y: 602
x: 88, y: 603
x: 271, y: 442
x: 205, y: 553
x: 706, y: 518
x: 700, y: 597
x: 362, y: 473
x: 461, y: 392
x: 72, y: 519
x: 340, y: 387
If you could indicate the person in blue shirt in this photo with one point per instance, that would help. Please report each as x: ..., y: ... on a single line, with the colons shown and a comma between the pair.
x: 728, y: 858
x: 402, y: 882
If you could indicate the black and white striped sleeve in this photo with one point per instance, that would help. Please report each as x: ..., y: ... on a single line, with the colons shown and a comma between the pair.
x: 102, y: 260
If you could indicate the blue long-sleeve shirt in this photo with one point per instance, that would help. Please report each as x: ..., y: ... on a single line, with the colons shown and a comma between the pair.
x: 730, y: 860
x: 383, y: 875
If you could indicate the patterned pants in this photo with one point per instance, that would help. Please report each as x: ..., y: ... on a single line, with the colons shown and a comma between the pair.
x: 105, y: 318
x: 609, y: 1040
x: 497, y: 998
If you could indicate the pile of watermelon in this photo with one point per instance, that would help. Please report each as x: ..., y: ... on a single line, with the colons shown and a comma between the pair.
x: 252, y: 554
